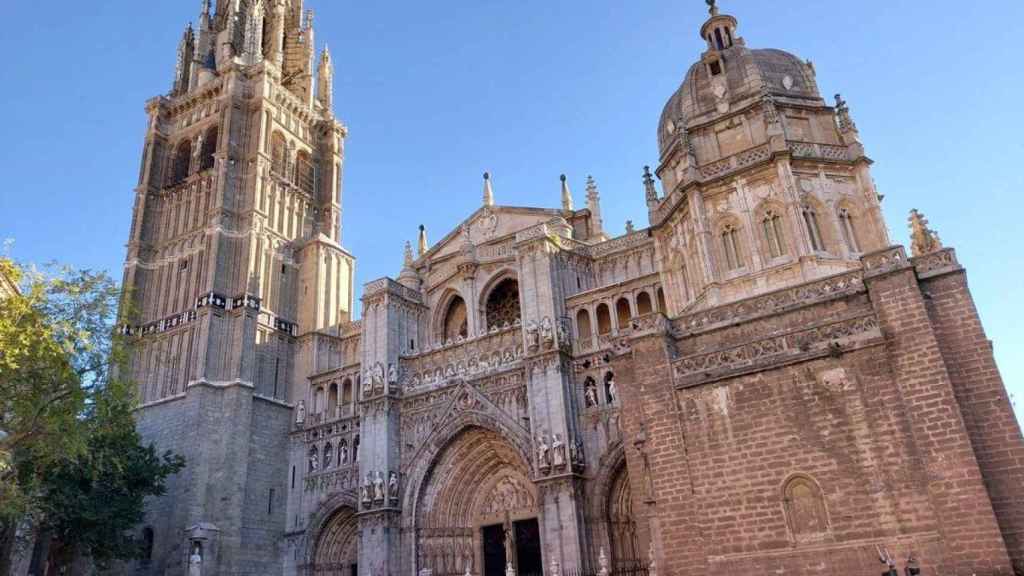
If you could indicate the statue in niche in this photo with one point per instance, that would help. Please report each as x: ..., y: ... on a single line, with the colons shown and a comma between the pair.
x: 300, y: 413
x: 576, y: 453
x: 367, y: 382
x: 314, y: 462
x: 392, y: 374
x: 547, y: 332
x: 543, y: 456
x: 195, y: 560
x: 590, y: 393
x: 393, y: 486
x: 558, y: 451
x: 611, y: 390
x: 342, y: 453
x: 532, y: 335
x: 378, y: 487
x: 378, y: 375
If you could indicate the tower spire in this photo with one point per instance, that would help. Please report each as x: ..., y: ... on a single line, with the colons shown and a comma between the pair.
x: 488, y: 190
x: 566, y: 195
x: 650, y: 192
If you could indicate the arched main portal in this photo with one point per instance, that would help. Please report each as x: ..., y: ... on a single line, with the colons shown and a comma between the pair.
x: 337, y: 547
x: 622, y: 534
x: 478, y: 510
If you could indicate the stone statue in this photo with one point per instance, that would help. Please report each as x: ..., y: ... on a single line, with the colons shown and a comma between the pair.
x: 393, y: 486
x: 343, y: 455
x: 195, y: 561
x: 613, y: 391
x: 543, y: 458
x: 590, y: 393
x: 314, y: 462
x: 367, y: 487
x: 509, y: 570
x: 923, y: 240
x: 300, y: 413
x: 392, y: 374
x: 378, y: 487
x: 547, y: 332
x: 602, y: 561
x: 558, y: 451
x: 576, y: 453
x: 532, y: 335
x: 368, y: 382
x: 378, y: 374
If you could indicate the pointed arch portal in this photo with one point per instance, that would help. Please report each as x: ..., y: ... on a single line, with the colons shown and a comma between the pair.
x: 484, y: 528
x: 337, y: 547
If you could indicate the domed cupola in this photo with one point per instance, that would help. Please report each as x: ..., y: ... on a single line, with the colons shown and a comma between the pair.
x: 728, y: 77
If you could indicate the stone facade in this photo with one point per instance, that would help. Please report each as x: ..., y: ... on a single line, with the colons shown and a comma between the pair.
x: 756, y: 382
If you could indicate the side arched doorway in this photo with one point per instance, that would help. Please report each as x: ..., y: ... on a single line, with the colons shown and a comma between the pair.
x: 337, y: 546
x: 622, y: 529
x: 478, y: 510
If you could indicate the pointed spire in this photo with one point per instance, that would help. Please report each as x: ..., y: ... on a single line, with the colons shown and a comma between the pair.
x: 183, y: 65
x: 325, y: 79
x: 650, y: 192
x: 566, y: 195
x: 594, y: 205
x: 843, y: 118
x: 923, y: 240
x: 423, y: 240
x: 408, y: 255
x: 488, y: 190
x: 204, y: 8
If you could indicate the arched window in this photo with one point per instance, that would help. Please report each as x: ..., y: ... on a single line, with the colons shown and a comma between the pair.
x: 773, y: 235
x: 623, y: 313
x: 455, y: 320
x: 583, y: 326
x: 346, y: 392
x: 731, y: 247
x: 805, y: 509
x: 332, y: 401
x: 304, y: 178
x: 278, y: 154
x: 328, y: 455
x: 604, y: 320
x: 209, y: 151
x: 813, y: 230
x: 147, y: 544
x: 318, y: 400
x: 643, y: 304
x: 849, y: 230
x: 182, y: 162
x: 503, y: 304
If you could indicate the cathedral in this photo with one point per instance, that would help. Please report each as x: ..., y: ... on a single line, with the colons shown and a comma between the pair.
x: 756, y: 382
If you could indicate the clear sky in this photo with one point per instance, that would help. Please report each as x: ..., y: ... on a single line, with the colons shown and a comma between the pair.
x: 435, y: 93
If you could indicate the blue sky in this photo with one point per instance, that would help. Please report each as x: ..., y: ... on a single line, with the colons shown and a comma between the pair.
x: 435, y: 93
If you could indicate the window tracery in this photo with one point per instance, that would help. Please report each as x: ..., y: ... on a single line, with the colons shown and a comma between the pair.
x: 849, y: 230
x: 503, y: 304
x: 731, y: 247
x: 773, y: 234
x: 813, y: 230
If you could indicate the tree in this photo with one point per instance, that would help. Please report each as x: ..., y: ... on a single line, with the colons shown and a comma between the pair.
x: 66, y: 430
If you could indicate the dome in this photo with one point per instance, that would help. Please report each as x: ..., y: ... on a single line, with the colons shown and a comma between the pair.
x: 740, y: 75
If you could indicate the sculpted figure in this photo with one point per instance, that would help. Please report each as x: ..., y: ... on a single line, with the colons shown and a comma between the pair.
x: 543, y: 457
x: 613, y: 391
x: 532, y: 335
x: 378, y: 374
x: 300, y: 413
x: 195, y: 561
x: 378, y: 487
x: 558, y: 451
x: 590, y: 393
x: 393, y: 486
x: 547, y: 332
x: 392, y: 374
x: 367, y: 382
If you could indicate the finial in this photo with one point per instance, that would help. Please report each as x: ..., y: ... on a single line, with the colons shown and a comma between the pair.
x: 488, y: 190
x: 423, y: 240
x: 566, y: 195
x: 650, y: 192
x: 629, y: 227
x: 712, y: 7
x: 923, y: 240
x: 204, y: 8
x: 843, y: 117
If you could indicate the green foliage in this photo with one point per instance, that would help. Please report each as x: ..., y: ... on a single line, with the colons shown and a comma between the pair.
x: 90, y: 503
x: 70, y: 458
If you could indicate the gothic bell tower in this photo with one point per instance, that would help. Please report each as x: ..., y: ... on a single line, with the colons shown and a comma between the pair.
x: 235, y: 276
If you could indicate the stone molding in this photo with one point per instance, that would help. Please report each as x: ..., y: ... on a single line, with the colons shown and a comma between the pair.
x: 936, y: 263
x: 885, y: 261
